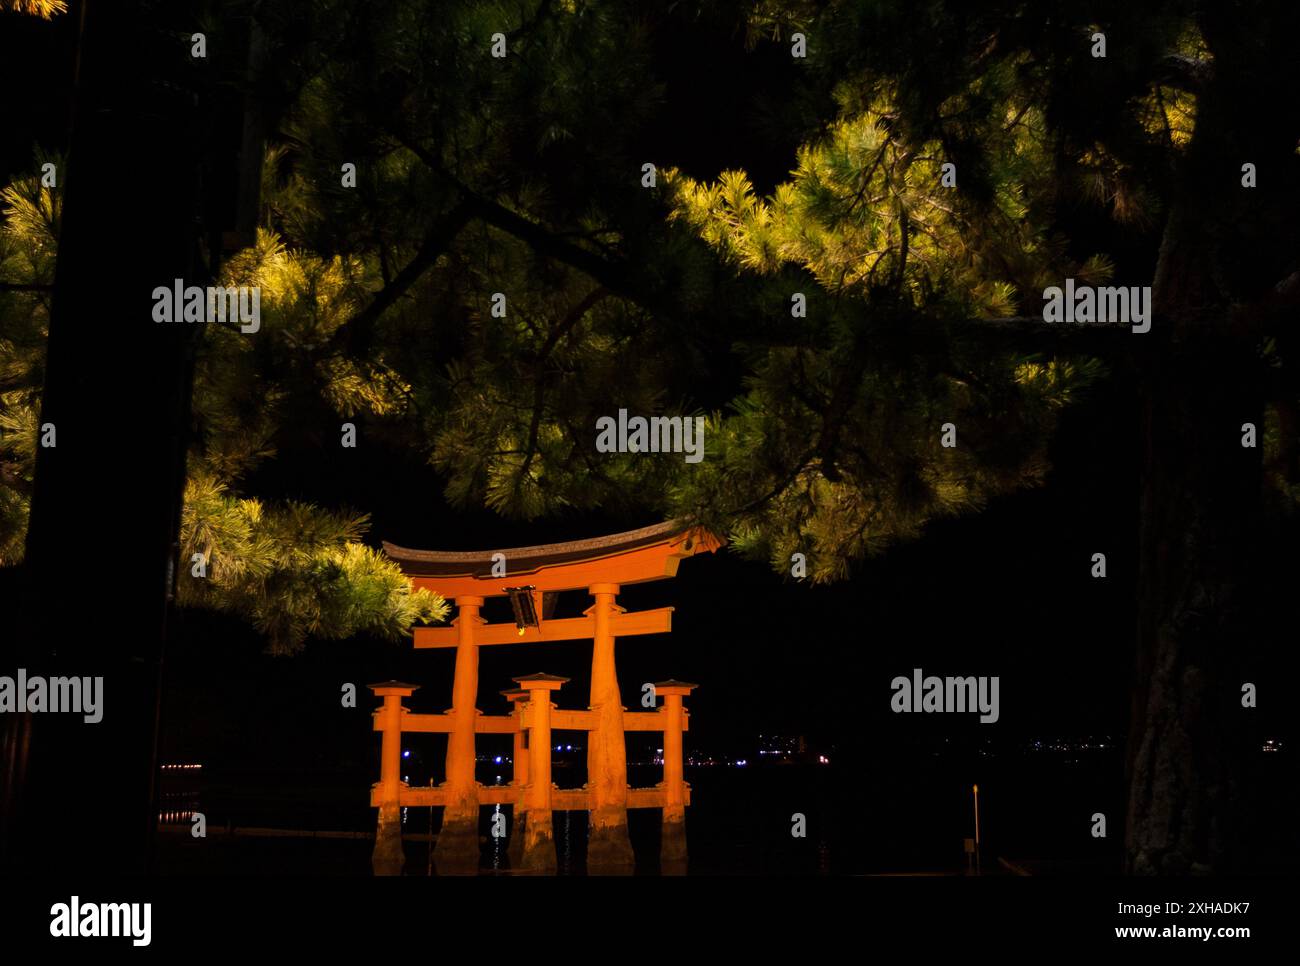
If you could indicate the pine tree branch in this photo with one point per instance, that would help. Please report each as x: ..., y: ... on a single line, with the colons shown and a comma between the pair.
x: 1019, y: 333
x: 1190, y: 74
x: 565, y: 326
x: 781, y: 486
x: 613, y: 275
x: 356, y: 334
x: 11, y: 475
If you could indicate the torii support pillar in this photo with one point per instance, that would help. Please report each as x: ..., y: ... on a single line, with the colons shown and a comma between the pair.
x: 609, y: 850
x: 539, y: 838
x: 672, y: 843
x: 388, y: 857
x: 457, y: 851
x: 518, y: 697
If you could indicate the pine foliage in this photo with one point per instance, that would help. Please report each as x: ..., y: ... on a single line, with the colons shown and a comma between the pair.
x: 293, y: 570
x: 479, y: 176
x: 45, y: 9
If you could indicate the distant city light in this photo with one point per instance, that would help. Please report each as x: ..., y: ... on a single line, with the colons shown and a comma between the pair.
x: 406, y: 754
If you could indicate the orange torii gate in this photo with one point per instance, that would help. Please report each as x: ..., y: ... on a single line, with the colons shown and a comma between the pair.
x: 525, y: 574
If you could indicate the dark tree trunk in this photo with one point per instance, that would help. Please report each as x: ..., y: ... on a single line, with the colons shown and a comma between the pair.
x: 101, y: 552
x: 1200, y: 500
x: 1224, y: 245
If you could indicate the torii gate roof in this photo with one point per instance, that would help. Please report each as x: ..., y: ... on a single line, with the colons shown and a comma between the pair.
x: 635, y: 556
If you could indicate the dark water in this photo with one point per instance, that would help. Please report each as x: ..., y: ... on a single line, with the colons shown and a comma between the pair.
x: 877, y: 817
x: 905, y: 814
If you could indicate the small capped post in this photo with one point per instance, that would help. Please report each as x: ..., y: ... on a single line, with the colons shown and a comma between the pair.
x: 539, y: 840
x: 388, y: 857
x: 672, y: 848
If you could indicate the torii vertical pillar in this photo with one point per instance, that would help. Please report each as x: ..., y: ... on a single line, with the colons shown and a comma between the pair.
x: 457, y: 851
x: 539, y: 837
x: 609, y: 850
x: 388, y: 857
x: 672, y: 843
x: 518, y: 697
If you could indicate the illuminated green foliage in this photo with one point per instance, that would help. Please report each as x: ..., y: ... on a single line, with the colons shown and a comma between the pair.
x: 293, y: 570
x: 477, y: 175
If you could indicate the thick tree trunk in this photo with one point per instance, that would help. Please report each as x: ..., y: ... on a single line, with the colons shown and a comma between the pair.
x: 101, y: 549
x: 1224, y: 245
x: 1200, y: 496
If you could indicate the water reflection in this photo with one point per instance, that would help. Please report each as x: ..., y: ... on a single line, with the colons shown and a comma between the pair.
x: 178, y: 798
x: 497, y: 843
x: 564, y: 844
